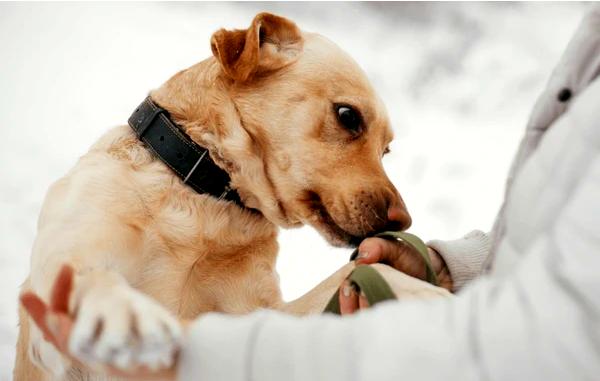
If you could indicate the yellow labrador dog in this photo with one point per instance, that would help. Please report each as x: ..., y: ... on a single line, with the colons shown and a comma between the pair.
x: 297, y: 129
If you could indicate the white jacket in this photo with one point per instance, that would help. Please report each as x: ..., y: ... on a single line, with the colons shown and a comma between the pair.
x: 536, y: 315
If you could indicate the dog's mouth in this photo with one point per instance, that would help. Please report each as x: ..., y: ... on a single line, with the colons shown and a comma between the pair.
x: 324, y: 222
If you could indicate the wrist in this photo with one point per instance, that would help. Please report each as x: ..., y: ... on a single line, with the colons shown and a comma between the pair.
x: 440, y: 268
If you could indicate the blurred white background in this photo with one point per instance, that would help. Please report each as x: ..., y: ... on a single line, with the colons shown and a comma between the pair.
x: 458, y: 79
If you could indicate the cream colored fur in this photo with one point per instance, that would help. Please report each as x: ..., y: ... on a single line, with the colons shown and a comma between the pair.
x: 143, y: 244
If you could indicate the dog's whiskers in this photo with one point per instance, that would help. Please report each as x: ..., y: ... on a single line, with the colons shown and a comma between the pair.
x: 364, y: 222
x: 376, y: 214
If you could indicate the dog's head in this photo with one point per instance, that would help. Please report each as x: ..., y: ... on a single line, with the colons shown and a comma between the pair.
x: 300, y: 129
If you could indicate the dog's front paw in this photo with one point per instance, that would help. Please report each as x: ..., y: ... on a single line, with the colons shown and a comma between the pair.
x: 123, y: 328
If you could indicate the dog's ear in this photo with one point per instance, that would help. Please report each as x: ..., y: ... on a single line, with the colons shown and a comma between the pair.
x: 270, y: 43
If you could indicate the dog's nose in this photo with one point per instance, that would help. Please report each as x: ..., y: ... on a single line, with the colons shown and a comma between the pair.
x: 398, y: 218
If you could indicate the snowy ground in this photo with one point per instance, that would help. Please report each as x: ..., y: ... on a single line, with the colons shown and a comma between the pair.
x: 458, y: 79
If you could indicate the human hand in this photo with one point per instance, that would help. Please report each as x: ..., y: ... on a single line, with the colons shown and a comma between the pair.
x: 397, y: 254
x: 56, y: 324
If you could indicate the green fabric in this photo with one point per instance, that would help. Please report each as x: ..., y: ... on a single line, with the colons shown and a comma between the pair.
x: 416, y: 243
x: 370, y: 282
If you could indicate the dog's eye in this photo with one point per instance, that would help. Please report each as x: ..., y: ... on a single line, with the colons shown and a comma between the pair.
x: 386, y: 151
x: 349, y: 118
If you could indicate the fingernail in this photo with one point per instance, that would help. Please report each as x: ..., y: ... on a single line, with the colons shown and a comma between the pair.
x: 347, y: 290
x: 362, y: 254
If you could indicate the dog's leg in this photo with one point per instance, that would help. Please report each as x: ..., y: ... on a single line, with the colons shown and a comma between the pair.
x: 404, y: 286
x: 316, y: 299
x: 119, y: 326
x: 115, y: 324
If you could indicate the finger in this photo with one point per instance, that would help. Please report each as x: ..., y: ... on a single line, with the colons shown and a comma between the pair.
x: 348, y: 298
x: 61, y: 291
x: 369, y: 251
x: 375, y: 250
x: 363, y: 303
x: 61, y: 325
x: 38, y: 311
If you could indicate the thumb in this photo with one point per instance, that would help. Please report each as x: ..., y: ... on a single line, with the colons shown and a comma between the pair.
x: 376, y: 250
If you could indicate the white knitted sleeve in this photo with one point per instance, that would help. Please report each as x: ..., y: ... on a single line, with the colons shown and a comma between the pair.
x: 464, y: 257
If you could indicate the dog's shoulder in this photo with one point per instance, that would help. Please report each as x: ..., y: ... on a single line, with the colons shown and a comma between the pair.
x: 120, y: 143
x: 115, y: 176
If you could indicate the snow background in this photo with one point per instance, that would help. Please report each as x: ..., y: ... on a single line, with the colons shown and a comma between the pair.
x: 458, y: 79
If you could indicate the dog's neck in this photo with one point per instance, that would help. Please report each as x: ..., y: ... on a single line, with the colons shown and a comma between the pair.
x: 199, y: 103
x: 153, y: 125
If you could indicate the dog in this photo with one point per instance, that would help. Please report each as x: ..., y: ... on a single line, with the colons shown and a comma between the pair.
x: 299, y: 130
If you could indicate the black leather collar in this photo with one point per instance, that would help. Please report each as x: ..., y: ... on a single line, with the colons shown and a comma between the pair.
x: 191, y: 162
